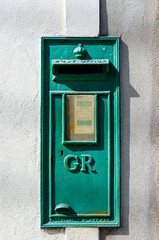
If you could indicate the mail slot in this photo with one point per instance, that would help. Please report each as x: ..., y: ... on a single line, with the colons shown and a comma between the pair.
x: 80, y: 132
x: 80, y: 69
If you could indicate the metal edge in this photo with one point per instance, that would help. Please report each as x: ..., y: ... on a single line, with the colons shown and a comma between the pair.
x: 50, y: 154
x: 117, y: 134
x: 102, y: 38
x: 42, y: 134
x: 82, y: 224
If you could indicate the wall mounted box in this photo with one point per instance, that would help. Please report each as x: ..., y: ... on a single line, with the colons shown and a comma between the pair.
x: 80, y: 132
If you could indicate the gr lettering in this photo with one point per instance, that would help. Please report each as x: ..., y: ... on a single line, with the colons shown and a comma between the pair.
x: 72, y: 163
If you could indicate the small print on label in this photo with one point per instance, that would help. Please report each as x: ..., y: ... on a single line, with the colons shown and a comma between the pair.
x: 84, y: 114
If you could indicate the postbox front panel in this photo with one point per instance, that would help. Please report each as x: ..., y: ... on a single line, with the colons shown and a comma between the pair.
x: 80, y: 132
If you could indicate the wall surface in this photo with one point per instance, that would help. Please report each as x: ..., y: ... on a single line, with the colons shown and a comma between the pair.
x: 135, y: 21
x: 22, y: 23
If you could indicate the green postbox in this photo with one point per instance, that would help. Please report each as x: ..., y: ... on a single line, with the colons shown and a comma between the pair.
x: 80, y: 132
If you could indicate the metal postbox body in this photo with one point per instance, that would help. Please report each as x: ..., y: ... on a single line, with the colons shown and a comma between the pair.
x: 80, y: 132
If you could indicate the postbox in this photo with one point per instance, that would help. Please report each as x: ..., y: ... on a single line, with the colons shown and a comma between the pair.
x: 80, y: 132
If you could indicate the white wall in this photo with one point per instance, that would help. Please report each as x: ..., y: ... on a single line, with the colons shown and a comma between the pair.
x: 22, y: 23
x: 135, y: 21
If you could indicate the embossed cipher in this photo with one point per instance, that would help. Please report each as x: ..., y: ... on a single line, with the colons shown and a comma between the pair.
x: 86, y: 163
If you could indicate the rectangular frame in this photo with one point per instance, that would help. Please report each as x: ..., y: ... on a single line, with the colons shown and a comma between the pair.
x: 64, y: 120
x: 46, y: 158
x: 62, y: 93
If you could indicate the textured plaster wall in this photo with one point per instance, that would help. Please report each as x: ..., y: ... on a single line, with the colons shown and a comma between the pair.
x: 22, y: 23
x: 136, y: 22
x: 82, y: 18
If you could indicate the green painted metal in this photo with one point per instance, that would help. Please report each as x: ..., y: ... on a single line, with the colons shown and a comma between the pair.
x: 80, y: 180
x: 79, y: 51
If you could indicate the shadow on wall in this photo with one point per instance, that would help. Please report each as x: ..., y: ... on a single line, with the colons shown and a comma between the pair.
x: 127, y: 92
x: 54, y: 231
x: 103, y: 19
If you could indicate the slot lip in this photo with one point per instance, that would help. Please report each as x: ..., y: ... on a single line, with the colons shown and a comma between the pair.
x: 79, y: 61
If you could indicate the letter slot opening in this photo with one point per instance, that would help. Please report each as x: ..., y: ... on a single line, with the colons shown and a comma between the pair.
x: 79, y: 69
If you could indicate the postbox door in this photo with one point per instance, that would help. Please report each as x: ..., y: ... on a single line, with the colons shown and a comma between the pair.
x: 81, y: 148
